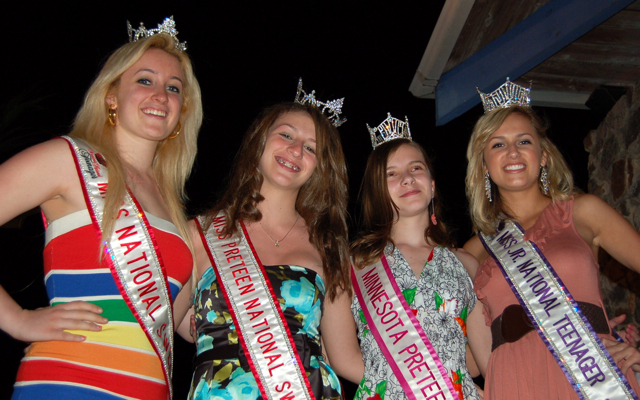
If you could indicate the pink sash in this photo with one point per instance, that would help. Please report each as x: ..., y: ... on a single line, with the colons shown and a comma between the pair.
x: 399, y: 335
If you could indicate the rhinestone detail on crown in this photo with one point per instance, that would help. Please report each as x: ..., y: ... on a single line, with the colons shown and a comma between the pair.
x: 334, y: 106
x: 507, y: 95
x: 390, y: 129
x: 168, y: 26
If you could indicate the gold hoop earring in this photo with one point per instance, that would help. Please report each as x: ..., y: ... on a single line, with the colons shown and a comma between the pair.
x: 112, y: 115
x: 176, y: 132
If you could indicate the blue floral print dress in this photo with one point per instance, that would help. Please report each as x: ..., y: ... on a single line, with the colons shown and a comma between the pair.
x: 221, y: 368
x: 441, y: 299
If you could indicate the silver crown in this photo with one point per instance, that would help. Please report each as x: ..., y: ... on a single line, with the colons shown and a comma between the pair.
x: 390, y: 129
x: 334, y: 106
x: 507, y: 95
x: 168, y: 26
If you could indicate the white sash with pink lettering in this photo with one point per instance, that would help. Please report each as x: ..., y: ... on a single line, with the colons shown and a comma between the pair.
x: 262, y: 330
x: 560, y: 323
x: 399, y: 335
x: 132, y: 255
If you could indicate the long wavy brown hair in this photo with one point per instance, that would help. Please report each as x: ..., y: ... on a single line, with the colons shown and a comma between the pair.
x: 322, y: 200
x: 378, y: 211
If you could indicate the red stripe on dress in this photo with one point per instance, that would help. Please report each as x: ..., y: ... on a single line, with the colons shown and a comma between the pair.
x: 50, y: 370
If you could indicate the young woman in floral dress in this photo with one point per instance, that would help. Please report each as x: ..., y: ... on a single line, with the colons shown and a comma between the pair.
x: 287, y: 198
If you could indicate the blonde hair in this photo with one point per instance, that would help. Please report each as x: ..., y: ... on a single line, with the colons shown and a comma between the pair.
x: 485, y: 214
x: 174, y: 158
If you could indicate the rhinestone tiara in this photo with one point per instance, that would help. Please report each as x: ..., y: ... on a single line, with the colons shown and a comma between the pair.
x: 168, y: 26
x: 507, y: 95
x: 334, y: 106
x: 390, y: 129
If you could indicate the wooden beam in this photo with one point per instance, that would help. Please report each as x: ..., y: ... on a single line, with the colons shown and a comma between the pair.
x: 488, y: 20
x: 526, y: 45
x: 543, y: 98
x: 620, y: 74
x: 444, y: 36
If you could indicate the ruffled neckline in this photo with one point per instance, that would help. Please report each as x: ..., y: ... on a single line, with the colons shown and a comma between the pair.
x: 553, y: 219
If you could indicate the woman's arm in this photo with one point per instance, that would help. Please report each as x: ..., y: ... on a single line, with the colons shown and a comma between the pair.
x: 600, y: 225
x: 182, y: 312
x: 43, y: 175
x: 478, y: 333
x: 186, y: 327
x: 476, y: 249
x: 339, y: 334
x: 479, y: 336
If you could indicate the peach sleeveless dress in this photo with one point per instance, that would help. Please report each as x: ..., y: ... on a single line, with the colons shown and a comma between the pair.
x: 525, y: 369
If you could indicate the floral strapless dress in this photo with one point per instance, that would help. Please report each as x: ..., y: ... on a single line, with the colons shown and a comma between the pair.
x: 221, y: 368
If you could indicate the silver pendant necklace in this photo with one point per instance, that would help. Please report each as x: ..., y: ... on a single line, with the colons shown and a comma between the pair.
x: 277, y: 242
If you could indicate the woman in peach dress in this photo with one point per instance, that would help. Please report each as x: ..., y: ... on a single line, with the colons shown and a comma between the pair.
x: 516, y: 173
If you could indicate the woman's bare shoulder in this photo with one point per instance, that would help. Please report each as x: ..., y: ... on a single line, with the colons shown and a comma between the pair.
x: 467, y: 259
x: 475, y: 248
x: 36, y: 175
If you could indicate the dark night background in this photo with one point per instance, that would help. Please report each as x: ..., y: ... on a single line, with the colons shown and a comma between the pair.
x: 247, y: 55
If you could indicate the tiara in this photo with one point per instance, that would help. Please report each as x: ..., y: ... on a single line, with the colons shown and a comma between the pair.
x: 168, y: 26
x: 390, y: 129
x: 507, y: 95
x: 334, y: 106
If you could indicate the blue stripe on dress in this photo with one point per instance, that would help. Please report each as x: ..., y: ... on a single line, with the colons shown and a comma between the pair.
x: 81, y: 285
x: 57, y: 391
x: 88, y: 285
x: 174, y: 289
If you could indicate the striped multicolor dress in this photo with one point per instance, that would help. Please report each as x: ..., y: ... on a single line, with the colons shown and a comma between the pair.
x: 117, y: 362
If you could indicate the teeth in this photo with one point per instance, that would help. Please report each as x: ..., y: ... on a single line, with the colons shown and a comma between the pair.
x: 155, y: 112
x: 289, y: 165
x: 514, y: 167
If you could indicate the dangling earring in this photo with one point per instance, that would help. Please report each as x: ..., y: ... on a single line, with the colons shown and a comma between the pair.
x: 433, y: 212
x: 544, y: 180
x: 112, y: 115
x: 176, y: 132
x: 487, y: 186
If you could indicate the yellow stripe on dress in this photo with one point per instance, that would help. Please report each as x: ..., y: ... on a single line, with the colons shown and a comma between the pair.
x: 118, y: 333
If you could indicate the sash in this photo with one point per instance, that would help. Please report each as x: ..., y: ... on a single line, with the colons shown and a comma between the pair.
x: 132, y: 255
x: 560, y: 323
x: 262, y: 330
x: 399, y: 335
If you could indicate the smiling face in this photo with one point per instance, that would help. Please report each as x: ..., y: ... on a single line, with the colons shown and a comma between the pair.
x: 409, y: 181
x: 513, y: 155
x: 149, y: 96
x: 289, y: 156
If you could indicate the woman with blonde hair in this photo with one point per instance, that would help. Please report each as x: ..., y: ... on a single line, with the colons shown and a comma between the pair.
x: 117, y: 251
x: 537, y: 245
x: 272, y: 250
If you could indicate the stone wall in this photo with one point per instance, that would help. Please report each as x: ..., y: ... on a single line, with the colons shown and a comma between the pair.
x: 614, y: 159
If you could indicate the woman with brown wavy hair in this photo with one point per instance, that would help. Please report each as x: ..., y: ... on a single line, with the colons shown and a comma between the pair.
x: 117, y: 246
x: 276, y: 245
x: 411, y: 283
x: 537, y: 245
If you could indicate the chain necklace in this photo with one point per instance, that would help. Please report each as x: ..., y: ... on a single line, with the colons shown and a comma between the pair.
x: 277, y: 242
